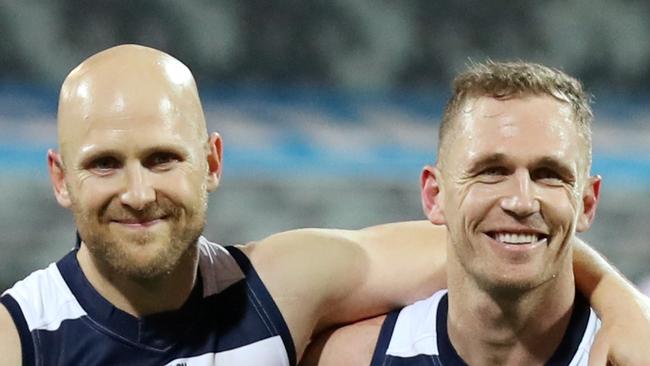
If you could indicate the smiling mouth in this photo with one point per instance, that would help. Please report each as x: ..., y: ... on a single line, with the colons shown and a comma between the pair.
x: 517, y: 238
x: 140, y: 223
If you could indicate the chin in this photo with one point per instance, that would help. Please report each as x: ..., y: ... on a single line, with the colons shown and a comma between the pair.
x: 510, y: 282
x: 149, y: 263
x: 142, y: 257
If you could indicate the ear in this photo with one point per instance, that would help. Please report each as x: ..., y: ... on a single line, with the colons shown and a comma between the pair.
x: 590, y: 198
x: 431, y: 197
x: 214, y: 161
x: 57, y: 177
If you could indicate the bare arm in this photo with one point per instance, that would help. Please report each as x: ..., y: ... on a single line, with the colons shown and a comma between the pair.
x: 321, y: 278
x: 9, y: 340
x: 625, y: 312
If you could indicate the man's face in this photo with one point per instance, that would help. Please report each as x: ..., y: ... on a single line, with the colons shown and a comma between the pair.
x: 512, y: 188
x: 136, y: 172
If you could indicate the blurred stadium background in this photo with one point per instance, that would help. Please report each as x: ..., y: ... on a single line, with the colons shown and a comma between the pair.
x: 328, y: 109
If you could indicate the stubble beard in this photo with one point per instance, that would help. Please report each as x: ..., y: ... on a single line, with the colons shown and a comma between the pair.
x: 119, y: 253
x: 484, y: 277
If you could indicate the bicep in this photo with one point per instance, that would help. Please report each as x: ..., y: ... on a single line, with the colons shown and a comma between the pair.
x: 406, y: 262
x: 9, y: 339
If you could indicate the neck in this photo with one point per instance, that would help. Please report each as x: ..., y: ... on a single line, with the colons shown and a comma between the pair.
x: 513, y: 327
x: 138, y: 296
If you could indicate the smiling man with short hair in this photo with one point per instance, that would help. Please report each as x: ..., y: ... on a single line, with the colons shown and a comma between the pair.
x: 512, y: 186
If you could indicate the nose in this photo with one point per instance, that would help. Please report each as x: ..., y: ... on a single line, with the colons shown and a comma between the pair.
x: 521, y: 201
x: 138, y: 192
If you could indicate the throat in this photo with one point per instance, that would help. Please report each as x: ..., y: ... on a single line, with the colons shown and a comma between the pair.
x: 137, y: 296
x: 487, y: 331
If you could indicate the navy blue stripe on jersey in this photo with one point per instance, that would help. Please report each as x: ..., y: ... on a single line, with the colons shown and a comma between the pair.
x: 575, y: 330
x: 383, y: 340
x: 262, y: 296
x: 447, y: 352
x: 26, y: 344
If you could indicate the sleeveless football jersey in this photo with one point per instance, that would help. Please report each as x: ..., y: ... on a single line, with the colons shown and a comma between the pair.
x: 416, y: 335
x: 229, y: 319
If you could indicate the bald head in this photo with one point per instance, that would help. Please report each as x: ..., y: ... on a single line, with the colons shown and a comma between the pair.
x: 127, y: 85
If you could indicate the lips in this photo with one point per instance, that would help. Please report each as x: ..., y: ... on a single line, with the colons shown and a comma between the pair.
x: 139, y: 222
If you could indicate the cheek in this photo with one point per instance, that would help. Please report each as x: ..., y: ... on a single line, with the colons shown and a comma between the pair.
x: 479, y: 198
x: 559, y: 205
x: 182, y: 185
x: 465, y: 205
x: 93, y: 192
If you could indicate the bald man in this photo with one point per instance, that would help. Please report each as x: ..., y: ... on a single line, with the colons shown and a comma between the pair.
x: 135, y: 166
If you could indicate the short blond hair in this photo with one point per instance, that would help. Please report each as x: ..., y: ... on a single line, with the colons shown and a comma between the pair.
x: 505, y: 80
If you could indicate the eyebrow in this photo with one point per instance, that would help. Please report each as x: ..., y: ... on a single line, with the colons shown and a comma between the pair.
x: 91, y: 154
x: 486, y: 161
x: 94, y: 153
x: 557, y: 165
x: 550, y: 162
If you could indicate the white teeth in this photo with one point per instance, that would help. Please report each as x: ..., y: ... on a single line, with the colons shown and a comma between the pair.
x: 511, y: 238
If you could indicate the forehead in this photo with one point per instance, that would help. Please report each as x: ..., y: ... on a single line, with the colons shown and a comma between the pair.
x: 131, y: 127
x: 526, y: 127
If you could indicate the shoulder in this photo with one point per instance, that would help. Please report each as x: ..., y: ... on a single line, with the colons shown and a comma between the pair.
x: 27, y: 306
x: 349, y: 345
x: 45, y: 299
x: 9, y: 340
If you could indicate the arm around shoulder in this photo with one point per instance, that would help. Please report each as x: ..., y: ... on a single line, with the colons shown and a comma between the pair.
x: 624, y: 311
x: 9, y: 340
x: 323, y: 277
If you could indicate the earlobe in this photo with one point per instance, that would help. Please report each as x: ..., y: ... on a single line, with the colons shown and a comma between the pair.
x: 214, y: 161
x: 57, y: 177
x: 590, y: 198
x: 430, y: 194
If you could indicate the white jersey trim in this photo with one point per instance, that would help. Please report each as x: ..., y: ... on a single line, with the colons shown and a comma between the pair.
x: 415, y: 329
x: 235, y: 356
x: 45, y: 299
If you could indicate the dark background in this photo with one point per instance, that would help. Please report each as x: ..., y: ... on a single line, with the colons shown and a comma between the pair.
x: 328, y: 109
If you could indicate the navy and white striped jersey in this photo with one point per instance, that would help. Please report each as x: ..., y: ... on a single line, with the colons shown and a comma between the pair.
x: 416, y: 335
x: 229, y: 319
